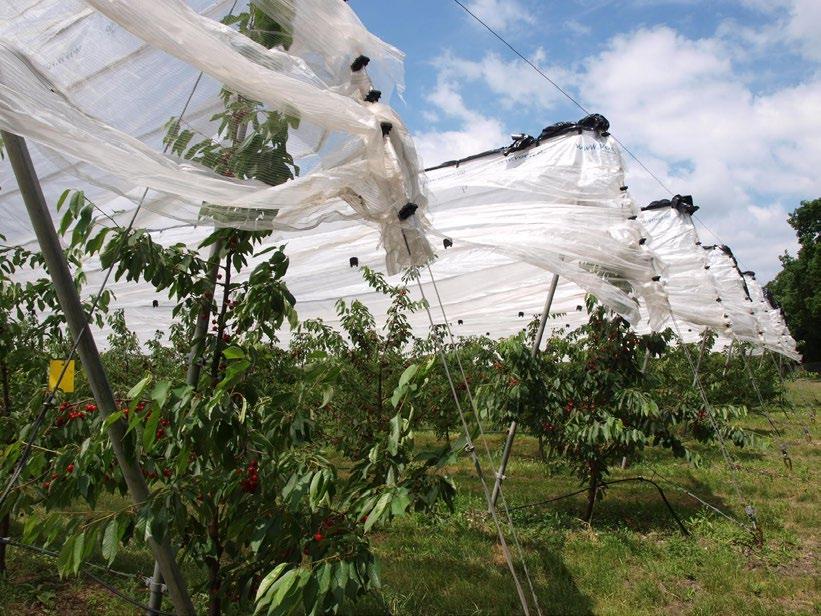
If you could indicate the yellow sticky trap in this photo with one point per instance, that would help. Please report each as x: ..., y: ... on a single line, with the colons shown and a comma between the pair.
x: 55, y: 369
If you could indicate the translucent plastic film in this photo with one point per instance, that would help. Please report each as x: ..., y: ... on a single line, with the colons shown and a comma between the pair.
x: 330, y: 50
x: 690, y: 289
x: 348, y: 167
x: 733, y: 295
x: 559, y: 205
x: 771, y: 324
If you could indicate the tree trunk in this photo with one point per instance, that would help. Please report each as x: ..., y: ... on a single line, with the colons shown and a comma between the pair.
x: 591, y: 494
x: 5, y: 522
x: 213, y: 563
x: 218, y: 345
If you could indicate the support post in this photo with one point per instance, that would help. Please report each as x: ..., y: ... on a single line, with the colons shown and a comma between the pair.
x: 69, y: 299
x: 511, y: 431
x: 727, y: 361
x: 700, y: 357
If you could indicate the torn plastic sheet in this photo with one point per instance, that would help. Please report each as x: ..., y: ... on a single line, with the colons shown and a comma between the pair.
x: 361, y: 175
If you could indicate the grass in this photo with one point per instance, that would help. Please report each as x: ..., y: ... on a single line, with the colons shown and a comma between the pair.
x: 633, y: 560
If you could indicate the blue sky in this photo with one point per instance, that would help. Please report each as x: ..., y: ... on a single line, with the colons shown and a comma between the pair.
x: 722, y: 99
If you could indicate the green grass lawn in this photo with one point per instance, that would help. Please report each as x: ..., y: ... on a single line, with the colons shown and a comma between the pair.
x: 633, y: 560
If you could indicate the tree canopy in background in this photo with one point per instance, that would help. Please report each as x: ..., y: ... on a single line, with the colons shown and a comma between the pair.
x: 797, y: 288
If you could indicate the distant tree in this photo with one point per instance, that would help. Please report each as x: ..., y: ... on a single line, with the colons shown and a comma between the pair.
x: 797, y: 288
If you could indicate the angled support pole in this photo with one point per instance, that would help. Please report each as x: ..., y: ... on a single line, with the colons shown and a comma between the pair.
x: 511, y: 431
x: 700, y: 356
x: 69, y: 299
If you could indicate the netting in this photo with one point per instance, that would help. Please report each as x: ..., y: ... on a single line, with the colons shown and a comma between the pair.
x: 124, y: 95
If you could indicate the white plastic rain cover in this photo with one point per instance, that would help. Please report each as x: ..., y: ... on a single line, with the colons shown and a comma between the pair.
x: 733, y: 294
x: 690, y: 289
x: 770, y: 322
x: 75, y: 80
x: 559, y: 205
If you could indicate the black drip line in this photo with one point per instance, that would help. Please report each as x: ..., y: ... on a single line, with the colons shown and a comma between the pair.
x: 112, y: 589
x: 602, y: 484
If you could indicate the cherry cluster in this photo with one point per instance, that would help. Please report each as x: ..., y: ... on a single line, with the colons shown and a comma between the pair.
x: 71, y: 412
x: 251, y: 481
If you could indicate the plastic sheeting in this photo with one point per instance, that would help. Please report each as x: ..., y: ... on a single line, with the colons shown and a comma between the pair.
x: 97, y: 87
x: 560, y: 205
x: 363, y: 171
x: 733, y: 295
x: 772, y: 328
x: 690, y: 289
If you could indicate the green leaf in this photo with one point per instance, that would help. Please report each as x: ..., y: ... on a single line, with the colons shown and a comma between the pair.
x: 160, y: 393
x: 267, y: 581
x: 378, y: 510
x: 150, y: 430
x: 111, y: 540
x: 395, y: 434
x: 135, y: 392
x: 78, y: 552
x: 65, y: 559
x: 233, y: 352
x: 408, y: 374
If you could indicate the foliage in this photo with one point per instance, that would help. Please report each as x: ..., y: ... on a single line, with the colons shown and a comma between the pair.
x: 797, y: 287
x: 590, y: 403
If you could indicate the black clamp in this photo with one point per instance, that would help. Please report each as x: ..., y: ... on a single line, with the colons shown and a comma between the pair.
x: 360, y: 63
x: 354, y: 261
x: 460, y: 322
x: 407, y: 211
x: 386, y: 127
x: 373, y: 96
x: 155, y: 303
x: 447, y: 242
x: 521, y: 314
x: 656, y: 278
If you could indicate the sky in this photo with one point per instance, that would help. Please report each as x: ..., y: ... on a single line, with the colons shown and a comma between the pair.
x: 721, y: 99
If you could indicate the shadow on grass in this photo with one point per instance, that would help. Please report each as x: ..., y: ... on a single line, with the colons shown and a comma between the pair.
x: 443, y: 572
x: 636, y: 506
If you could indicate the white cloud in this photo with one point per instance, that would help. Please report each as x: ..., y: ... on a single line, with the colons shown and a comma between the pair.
x: 577, y: 28
x: 476, y: 133
x: 501, y: 14
x: 514, y: 82
x: 687, y: 108
x: 805, y: 20
x: 683, y: 101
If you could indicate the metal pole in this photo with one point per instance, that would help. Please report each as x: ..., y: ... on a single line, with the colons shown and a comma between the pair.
x: 72, y: 308
x: 700, y: 357
x: 727, y: 361
x: 511, y: 431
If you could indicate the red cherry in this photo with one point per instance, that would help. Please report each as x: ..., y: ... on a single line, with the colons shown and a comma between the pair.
x: 46, y: 485
x: 166, y: 472
x: 160, y: 433
x: 318, y: 537
x: 70, y: 468
x: 91, y: 408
